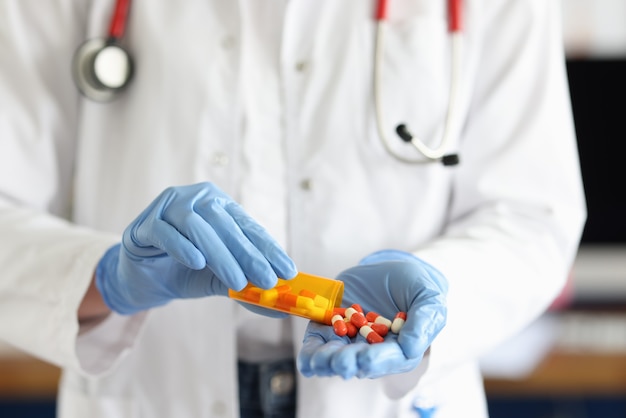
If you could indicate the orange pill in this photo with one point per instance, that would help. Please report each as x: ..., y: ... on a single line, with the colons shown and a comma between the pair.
x: 286, y: 301
x: 340, y: 311
x: 352, y: 331
x: 348, y: 313
x: 357, y: 307
x: 289, y: 300
x: 370, y: 335
x: 269, y: 296
x: 379, y: 319
x: 339, y: 325
x: 381, y: 329
x: 283, y: 288
x: 252, y: 294
x: 356, y: 317
x: 320, y: 301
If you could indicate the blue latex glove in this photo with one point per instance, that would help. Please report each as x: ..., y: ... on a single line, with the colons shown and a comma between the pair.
x: 191, y: 241
x: 385, y: 282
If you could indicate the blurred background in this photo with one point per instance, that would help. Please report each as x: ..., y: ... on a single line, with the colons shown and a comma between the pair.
x: 570, y: 363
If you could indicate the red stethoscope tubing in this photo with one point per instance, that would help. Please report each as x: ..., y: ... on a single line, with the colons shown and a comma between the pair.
x: 119, y: 20
x: 455, y: 13
x: 120, y: 16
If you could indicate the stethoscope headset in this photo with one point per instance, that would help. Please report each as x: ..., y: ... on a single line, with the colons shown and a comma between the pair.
x: 103, y: 68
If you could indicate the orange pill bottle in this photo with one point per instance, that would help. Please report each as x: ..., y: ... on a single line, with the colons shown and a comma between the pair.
x: 306, y: 295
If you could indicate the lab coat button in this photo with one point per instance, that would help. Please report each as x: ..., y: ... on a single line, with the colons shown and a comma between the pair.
x: 306, y: 184
x: 282, y: 383
x: 220, y: 159
x: 301, y: 66
x: 219, y: 408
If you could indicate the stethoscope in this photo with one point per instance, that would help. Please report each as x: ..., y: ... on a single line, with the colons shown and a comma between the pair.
x: 455, y: 13
x: 102, y: 69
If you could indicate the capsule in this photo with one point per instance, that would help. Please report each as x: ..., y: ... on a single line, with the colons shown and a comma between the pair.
x: 381, y: 329
x: 289, y: 300
x: 252, y: 294
x: 378, y: 319
x: 398, y: 322
x: 339, y: 311
x: 339, y: 325
x: 318, y: 300
x: 357, y: 308
x: 370, y: 335
x: 320, y: 315
x: 356, y: 317
x: 352, y: 331
x: 270, y: 296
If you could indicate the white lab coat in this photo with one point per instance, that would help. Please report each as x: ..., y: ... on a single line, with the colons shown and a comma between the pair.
x: 272, y: 101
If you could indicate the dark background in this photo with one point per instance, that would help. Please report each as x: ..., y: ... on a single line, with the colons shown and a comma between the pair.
x: 598, y: 91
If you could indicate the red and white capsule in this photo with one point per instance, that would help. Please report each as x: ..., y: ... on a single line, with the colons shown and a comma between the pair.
x: 339, y: 325
x: 381, y: 329
x: 398, y: 322
x: 352, y: 330
x: 339, y: 311
x: 356, y: 317
x: 357, y: 308
x: 370, y: 335
x: 378, y: 319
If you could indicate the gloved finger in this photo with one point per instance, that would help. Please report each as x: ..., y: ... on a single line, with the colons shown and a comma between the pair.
x: 326, y: 354
x: 356, y: 359
x: 153, y: 238
x: 316, y: 355
x: 345, y: 363
x: 315, y: 337
x: 218, y: 257
x: 321, y: 362
x: 198, y: 283
x: 362, y: 360
x: 382, y: 359
x: 425, y: 319
x: 251, y: 261
x: 282, y: 264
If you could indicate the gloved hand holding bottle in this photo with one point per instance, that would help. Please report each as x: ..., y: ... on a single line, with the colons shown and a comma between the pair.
x: 191, y: 241
x: 385, y: 282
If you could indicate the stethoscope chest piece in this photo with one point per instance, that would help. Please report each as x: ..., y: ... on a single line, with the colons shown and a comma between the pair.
x: 102, y: 69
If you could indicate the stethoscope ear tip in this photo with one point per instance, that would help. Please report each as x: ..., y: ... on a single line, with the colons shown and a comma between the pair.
x: 450, y: 159
x: 403, y: 133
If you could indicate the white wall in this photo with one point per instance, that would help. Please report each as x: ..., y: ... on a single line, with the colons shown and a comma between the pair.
x: 594, y: 28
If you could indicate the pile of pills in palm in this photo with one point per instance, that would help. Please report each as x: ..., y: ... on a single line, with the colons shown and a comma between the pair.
x: 372, y: 326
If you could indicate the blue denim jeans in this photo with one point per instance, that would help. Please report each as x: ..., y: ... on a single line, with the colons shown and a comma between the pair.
x: 267, y: 390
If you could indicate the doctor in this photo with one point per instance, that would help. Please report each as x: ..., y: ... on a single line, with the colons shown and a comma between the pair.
x: 248, y: 145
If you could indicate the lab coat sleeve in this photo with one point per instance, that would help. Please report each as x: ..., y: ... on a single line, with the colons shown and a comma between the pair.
x: 46, y: 262
x: 517, y: 205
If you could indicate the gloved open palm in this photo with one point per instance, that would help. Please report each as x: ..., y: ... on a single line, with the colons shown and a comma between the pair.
x: 386, y: 284
x: 191, y: 241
